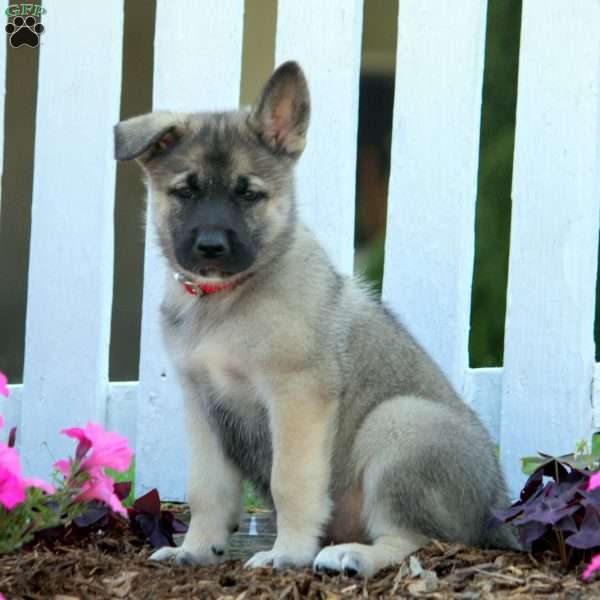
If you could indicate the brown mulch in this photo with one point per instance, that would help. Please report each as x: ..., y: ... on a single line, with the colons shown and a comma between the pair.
x: 114, y: 566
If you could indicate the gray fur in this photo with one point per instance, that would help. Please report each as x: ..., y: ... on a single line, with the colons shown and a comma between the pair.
x: 400, y: 433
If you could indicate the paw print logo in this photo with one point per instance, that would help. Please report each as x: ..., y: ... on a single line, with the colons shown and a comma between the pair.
x: 24, y: 32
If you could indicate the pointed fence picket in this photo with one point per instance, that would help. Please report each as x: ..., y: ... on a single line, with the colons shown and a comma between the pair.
x: 71, y: 255
x: 545, y: 397
x: 549, y: 346
x: 191, y: 72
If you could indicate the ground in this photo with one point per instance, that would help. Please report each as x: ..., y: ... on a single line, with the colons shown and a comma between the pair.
x: 113, y: 565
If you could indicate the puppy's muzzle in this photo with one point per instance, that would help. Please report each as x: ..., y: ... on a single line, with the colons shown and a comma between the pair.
x: 211, y: 244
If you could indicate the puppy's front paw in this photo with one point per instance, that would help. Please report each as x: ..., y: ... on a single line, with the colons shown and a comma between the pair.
x: 283, y: 556
x: 187, y: 556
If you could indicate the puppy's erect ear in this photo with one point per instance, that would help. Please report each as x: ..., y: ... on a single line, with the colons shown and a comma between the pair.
x: 281, y: 115
x: 146, y: 136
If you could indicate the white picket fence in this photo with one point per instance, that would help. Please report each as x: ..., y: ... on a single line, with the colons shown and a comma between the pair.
x: 546, y: 397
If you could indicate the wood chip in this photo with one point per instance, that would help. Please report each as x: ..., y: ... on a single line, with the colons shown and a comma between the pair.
x: 440, y: 571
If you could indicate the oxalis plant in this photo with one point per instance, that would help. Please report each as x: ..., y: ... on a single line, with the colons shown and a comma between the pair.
x: 559, y: 509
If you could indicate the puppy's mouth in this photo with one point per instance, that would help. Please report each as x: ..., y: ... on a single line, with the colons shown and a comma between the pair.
x: 213, y: 274
x: 200, y: 282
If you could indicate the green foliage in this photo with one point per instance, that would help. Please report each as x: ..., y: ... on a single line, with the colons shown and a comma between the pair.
x: 19, y: 525
x: 495, y: 177
x: 251, y: 501
x: 582, y: 458
x: 125, y: 477
x: 494, y: 188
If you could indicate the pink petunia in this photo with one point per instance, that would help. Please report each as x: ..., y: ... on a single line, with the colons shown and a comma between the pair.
x: 109, y: 450
x: 12, y: 490
x: 101, y: 487
x: 34, y: 482
x: 64, y: 466
x: 4, y: 391
x: 594, y: 481
x: 12, y: 483
x: 592, y: 567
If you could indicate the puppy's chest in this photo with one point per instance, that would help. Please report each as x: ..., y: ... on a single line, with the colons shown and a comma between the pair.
x: 236, y: 403
x: 234, y: 368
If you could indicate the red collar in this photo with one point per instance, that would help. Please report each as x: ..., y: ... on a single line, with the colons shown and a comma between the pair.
x: 204, y: 289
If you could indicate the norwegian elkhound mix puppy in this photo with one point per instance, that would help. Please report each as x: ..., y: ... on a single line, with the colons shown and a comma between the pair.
x: 294, y: 376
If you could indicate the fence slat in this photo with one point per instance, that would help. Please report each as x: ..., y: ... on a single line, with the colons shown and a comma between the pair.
x: 193, y: 71
x: 482, y: 390
x: 325, y: 38
x: 10, y: 410
x: 71, y: 256
x: 3, y: 6
x: 549, y: 347
x: 433, y: 181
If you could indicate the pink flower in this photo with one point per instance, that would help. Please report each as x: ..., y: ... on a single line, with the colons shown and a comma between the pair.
x: 39, y: 484
x: 594, y: 481
x: 592, y: 567
x: 4, y: 391
x: 64, y: 466
x: 101, y: 487
x: 12, y: 482
x: 12, y: 490
x: 109, y: 450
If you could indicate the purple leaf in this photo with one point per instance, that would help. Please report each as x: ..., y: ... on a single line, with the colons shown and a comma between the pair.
x: 82, y: 448
x: 91, y: 515
x: 566, y: 525
x: 532, y: 485
x: 544, y: 514
x: 588, y: 535
x: 148, y: 503
x: 591, y: 498
x: 122, y: 489
x: 172, y: 524
x: 531, y: 532
x: 179, y: 526
x: 150, y: 526
x: 504, y: 515
x: 551, y: 467
x: 12, y: 437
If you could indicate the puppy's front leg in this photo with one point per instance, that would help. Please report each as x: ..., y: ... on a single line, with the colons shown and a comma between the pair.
x: 302, y: 430
x: 214, y: 494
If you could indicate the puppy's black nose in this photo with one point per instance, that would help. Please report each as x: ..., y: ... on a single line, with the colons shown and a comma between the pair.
x: 212, y: 243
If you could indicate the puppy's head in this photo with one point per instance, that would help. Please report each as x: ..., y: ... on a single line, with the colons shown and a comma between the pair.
x: 221, y: 183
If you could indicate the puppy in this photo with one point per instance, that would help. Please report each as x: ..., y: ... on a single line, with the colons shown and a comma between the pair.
x: 294, y: 376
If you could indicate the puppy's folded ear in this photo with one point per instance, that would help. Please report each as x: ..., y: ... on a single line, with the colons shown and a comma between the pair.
x: 146, y: 136
x: 282, y: 113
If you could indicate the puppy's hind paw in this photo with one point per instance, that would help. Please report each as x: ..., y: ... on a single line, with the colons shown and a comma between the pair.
x: 342, y: 559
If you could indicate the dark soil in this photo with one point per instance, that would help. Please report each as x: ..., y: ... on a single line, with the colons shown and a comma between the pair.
x: 114, y: 565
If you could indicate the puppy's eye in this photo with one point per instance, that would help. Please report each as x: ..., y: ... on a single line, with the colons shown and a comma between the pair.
x: 251, y: 196
x: 242, y: 190
x: 184, y: 193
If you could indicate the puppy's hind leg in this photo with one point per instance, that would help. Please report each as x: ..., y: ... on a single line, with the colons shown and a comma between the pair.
x: 427, y: 472
x: 392, y: 538
x: 365, y: 560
